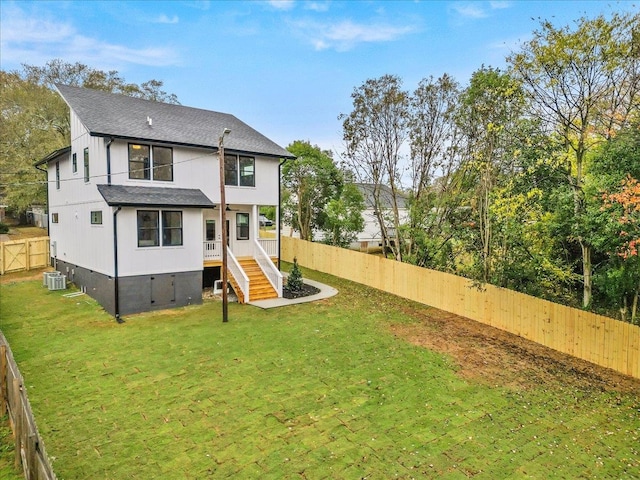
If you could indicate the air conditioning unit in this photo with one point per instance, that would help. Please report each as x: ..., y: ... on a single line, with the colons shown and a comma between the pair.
x: 57, y: 282
x: 46, y: 275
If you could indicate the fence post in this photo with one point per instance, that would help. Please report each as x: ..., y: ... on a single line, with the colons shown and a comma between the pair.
x: 17, y: 422
x: 27, y: 254
x: 3, y: 380
x: 1, y: 258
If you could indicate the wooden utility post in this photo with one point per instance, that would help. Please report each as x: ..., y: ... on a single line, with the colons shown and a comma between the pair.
x: 223, y: 219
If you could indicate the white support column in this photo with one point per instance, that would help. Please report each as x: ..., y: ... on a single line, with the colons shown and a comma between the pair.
x: 256, y: 222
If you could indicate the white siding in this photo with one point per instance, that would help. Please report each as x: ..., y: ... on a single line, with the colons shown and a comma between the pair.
x: 134, y: 260
x: 77, y: 241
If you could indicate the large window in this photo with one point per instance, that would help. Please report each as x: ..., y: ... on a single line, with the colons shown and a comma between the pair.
x: 149, y: 228
x: 242, y: 226
x: 239, y: 171
x: 171, y: 228
x: 86, y: 165
x: 150, y: 162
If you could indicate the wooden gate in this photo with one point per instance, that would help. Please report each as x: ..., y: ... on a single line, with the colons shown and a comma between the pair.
x: 27, y: 254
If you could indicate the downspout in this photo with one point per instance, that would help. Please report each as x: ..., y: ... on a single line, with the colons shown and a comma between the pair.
x: 280, y: 207
x: 109, y: 160
x: 116, y: 292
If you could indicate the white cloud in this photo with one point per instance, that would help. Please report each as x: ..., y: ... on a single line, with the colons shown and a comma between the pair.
x: 500, y: 4
x: 282, y: 4
x: 346, y: 34
x: 317, y: 6
x: 471, y: 10
x: 164, y: 19
x: 32, y: 40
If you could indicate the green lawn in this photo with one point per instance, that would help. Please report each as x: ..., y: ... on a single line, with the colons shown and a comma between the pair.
x: 310, y: 391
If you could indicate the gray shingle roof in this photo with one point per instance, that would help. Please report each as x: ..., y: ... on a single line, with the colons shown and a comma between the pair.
x: 386, y: 196
x: 135, y: 196
x: 115, y: 115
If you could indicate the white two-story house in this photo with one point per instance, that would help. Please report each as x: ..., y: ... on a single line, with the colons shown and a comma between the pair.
x: 134, y: 202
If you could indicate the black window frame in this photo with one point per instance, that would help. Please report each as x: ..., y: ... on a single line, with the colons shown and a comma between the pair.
x: 242, y: 230
x: 57, y: 175
x: 155, y: 240
x: 55, y: 218
x: 96, y: 217
x: 150, y: 167
x: 213, y: 230
x: 235, y: 173
x: 87, y: 176
x: 169, y: 232
x: 74, y: 163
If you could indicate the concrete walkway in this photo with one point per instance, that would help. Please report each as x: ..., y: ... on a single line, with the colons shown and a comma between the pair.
x: 325, y: 292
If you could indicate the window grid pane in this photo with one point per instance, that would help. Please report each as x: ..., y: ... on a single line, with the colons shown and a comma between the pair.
x: 139, y: 162
x: 163, y: 164
x: 86, y: 165
x: 247, y: 172
x: 96, y: 217
x: 171, y: 228
x: 242, y: 226
x: 230, y: 170
x: 148, y: 228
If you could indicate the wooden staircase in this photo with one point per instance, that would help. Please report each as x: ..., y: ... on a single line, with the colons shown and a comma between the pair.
x: 259, y: 286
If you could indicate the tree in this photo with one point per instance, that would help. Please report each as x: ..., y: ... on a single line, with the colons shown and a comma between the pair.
x: 34, y: 121
x: 310, y: 182
x: 490, y: 110
x: 344, y: 217
x: 433, y: 137
x: 374, y: 133
x: 583, y: 85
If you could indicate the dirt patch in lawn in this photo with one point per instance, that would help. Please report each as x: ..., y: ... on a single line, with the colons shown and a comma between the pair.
x: 492, y: 356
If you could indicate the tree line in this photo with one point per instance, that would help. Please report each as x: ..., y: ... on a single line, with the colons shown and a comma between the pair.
x: 525, y: 178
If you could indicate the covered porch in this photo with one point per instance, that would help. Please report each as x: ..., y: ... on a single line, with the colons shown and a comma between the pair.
x: 252, y: 252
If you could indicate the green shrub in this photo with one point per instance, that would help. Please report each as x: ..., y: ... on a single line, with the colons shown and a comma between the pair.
x: 294, y: 282
x: 4, y: 228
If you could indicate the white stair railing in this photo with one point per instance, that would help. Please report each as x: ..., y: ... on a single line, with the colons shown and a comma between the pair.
x: 238, y: 273
x: 268, y: 268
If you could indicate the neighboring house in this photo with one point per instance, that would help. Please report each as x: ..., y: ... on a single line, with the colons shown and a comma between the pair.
x: 134, y: 202
x: 371, y: 236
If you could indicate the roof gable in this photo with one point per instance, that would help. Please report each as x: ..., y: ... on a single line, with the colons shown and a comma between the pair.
x: 114, y: 115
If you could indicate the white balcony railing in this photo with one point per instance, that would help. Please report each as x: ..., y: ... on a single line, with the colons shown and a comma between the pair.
x: 269, y: 245
x: 213, y: 250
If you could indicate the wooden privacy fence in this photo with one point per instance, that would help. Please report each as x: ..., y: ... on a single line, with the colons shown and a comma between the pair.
x: 18, y: 255
x: 30, y: 452
x: 597, y: 339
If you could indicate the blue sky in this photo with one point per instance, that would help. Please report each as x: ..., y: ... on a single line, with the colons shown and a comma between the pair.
x: 287, y: 68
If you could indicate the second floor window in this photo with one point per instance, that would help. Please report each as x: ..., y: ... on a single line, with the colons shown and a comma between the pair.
x: 86, y: 165
x: 239, y: 171
x: 74, y: 163
x: 58, y: 175
x: 150, y: 162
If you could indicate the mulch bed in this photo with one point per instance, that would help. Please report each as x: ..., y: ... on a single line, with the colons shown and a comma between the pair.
x: 305, y: 292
